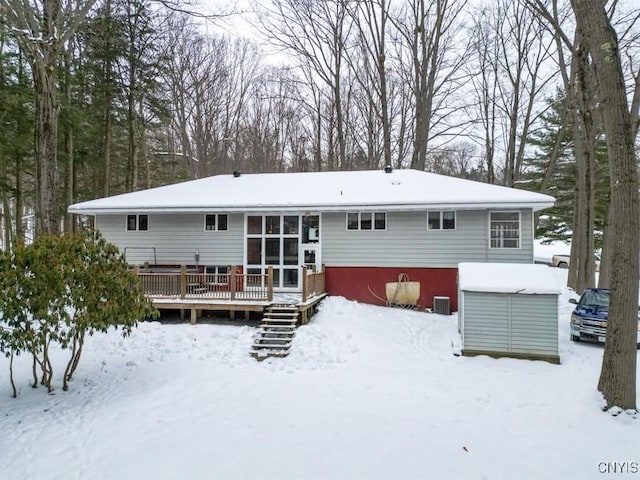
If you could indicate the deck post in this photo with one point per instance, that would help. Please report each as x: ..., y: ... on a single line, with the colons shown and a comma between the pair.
x: 232, y: 281
x: 304, y: 283
x: 136, y: 272
x: 183, y: 281
x: 270, y: 283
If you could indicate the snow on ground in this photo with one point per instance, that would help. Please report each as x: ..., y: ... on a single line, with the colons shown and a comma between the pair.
x: 367, y: 393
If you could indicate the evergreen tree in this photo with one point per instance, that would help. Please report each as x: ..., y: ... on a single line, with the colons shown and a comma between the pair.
x: 556, y: 222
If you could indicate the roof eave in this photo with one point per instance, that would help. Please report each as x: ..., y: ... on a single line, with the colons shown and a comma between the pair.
x: 535, y: 206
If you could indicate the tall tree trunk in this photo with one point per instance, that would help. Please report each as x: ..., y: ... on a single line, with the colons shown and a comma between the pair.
x: 107, y: 134
x: 68, y: 143
x: 46, y: 140
x: 618, y: 376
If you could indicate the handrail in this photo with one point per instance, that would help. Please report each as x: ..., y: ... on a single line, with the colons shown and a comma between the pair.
x: 155, y: 257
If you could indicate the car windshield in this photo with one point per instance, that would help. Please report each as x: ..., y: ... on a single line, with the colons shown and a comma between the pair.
x: 595, y: 298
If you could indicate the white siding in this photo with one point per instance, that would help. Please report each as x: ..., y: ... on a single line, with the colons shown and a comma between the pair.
x: 175, y: 238
x: 407, y: 243
x: 510, y: 323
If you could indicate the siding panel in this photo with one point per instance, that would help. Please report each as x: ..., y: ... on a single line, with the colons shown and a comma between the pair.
x: 511, y: 323
x: 175, y: 238
x: 407, y: 243
x: 486, y: 322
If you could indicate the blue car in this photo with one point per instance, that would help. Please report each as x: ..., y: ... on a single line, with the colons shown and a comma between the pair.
x: 589, y: 318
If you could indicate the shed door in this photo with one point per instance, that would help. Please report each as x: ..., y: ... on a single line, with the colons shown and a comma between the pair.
x: 486, y: 322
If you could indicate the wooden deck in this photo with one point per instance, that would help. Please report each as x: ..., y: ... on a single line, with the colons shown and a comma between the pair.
x: 189, y: 290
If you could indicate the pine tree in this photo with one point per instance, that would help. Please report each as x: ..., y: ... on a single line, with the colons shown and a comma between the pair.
x: 556, y: 222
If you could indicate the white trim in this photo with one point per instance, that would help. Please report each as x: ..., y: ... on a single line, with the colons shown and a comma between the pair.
x: 229, y: 209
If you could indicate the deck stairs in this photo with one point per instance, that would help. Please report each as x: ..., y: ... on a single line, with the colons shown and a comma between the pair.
x: 276, y: 332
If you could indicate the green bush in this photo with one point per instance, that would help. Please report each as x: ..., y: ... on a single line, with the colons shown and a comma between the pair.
x: 59, y: 290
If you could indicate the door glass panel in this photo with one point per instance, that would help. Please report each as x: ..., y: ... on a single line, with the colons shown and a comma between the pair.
x: 290, y: 277
x: 290, y: 224
x: 310, y: 229
x: 290, y: 251
x: 254, y: 225
x: 276, y: 278
x: 272, y: 251
x: 254, y: 251
x: 272, y: 225
x: 310, y: 259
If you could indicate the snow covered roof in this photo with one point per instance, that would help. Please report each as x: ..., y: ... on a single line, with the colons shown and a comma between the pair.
x: 528, y: 279
x: 319, y: 191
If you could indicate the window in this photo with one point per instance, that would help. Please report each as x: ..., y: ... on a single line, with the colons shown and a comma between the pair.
x: 213, y: 222
x: 137, y: 222
x: 367, y: 221
x: 504, y: 229
x: 441, y: 220
x: 217, y: 274
x: 311, y: 229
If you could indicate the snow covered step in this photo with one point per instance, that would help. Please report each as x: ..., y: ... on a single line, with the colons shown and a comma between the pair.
x: 269, y: 338
x: 286, y: 321
x: 281, y: 314
x: 265, y: 353
x: 272, y: 344
x: 288, y: 333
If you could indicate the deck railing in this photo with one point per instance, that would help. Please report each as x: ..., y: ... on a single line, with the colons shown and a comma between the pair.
x: 191, y: 285
x: 312, y: 283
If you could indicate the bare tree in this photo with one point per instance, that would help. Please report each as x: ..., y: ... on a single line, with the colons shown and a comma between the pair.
x: 428, y: 31
x: 316, y: 31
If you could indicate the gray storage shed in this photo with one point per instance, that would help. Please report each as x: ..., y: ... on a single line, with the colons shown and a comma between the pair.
x: 508, y: 310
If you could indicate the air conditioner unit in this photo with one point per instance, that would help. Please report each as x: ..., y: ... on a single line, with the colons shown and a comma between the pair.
x: 441, y: 305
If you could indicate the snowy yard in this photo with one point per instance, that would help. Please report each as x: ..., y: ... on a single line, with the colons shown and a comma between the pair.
x: 367, y: 393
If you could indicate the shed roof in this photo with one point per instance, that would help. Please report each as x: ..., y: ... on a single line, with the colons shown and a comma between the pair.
x: 319, y: 191
x: 529, y: 279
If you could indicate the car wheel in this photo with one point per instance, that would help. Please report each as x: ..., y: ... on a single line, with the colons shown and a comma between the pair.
x: 575, y: 338
x: 563, y: 265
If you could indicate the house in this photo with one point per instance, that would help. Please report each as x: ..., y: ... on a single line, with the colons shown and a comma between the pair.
x: 364, y: 228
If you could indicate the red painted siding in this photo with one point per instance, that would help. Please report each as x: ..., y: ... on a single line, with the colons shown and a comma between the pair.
x: 354, y: 283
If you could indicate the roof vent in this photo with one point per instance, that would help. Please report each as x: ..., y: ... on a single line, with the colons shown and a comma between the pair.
x: 388, y: 169
x: 236, y: 173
